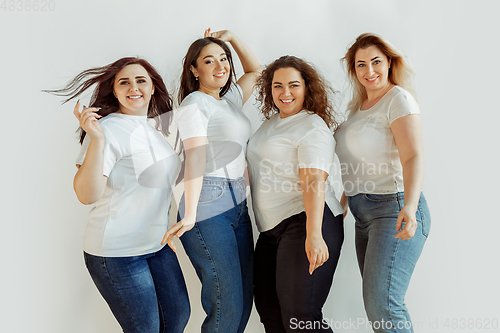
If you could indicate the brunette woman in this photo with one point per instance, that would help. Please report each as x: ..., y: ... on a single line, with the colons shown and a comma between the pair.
x: 214, y: 222
x: 127, y: 170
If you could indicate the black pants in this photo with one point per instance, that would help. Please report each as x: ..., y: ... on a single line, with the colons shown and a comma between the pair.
x: 287, y: 298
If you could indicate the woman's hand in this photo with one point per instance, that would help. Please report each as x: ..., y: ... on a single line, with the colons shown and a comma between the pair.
x: 178, y: 229
x: 224, y: 35
x: 316, y: 250
x: 407, y: 215
x: 88, y: 121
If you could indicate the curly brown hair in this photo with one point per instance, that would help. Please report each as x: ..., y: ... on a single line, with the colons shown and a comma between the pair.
x: 318, y: 97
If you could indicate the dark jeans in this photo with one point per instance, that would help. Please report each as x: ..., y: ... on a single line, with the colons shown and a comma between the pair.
x: 146, y: 293
x: 287, y: 297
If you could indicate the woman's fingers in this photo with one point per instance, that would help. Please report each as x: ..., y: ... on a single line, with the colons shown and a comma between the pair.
x: 88, y: 118
x: 170, y: 234
x: 177, y: 230
x: 410, y: 225
x: 407, y: 232
x: 76, y: 111
x: 184, y: 229
x: 316, y: 260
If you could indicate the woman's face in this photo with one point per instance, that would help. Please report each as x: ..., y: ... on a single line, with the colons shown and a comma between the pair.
x: 288, y: 90
x: 213, y: 68
x: 372, y: 68
x: 133, y: 88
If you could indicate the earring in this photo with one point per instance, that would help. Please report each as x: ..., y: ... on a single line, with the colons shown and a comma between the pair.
x: 196, y: 78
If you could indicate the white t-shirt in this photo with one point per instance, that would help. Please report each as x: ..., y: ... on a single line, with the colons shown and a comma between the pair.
x: 131, y: 217
x: 369, y: 157
x: 223, y: 123
x: 276, y: 152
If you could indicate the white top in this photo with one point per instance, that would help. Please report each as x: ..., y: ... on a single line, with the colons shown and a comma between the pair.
x: 276, y: 152
x: 223, y: 123
x: 131, y: 217
x: 369, y: 158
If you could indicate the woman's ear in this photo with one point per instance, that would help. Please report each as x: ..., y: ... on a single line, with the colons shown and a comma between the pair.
x: 194, y: 71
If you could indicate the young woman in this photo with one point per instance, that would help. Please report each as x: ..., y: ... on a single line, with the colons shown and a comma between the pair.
x: 214, y: 132
x: 127, y: 169
x: 298, y: 216
x: 380, y: 149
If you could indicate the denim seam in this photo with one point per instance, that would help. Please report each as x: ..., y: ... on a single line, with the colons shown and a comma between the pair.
x: 214, y: 270
x: 390, y: 281
x: 160, y: 312
x: 112, y: 282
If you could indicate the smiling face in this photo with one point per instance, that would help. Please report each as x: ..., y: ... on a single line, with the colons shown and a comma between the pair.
x: 372, y: 69
x: 133, y: 88
x: 289, y: 91
x: 213, y: 69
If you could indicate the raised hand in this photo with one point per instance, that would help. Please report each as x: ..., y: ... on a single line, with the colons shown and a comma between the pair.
x: 224, y: 35
x: 88, y: 121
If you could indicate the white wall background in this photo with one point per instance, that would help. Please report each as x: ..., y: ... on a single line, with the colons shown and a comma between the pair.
x: 453, y: 46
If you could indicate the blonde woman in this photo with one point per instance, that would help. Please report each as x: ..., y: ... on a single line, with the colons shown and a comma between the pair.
x: 380, y: 150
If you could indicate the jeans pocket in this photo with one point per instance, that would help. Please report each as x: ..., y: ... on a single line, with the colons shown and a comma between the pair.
x: 424, y: 215
x: 210, y: 193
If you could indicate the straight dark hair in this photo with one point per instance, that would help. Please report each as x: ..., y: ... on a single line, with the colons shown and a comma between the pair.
x: 103, y: 95
x: 188, y: 81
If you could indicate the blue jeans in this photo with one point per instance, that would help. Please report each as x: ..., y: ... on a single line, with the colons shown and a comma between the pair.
x: 220, y: 247
x: 146, y: 293
x: 386, y: 263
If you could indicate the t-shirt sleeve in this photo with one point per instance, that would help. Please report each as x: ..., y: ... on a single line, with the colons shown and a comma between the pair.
x: 234, y: 95
x: 111, y: 152
x: 192, y: 118
x: 316, y: 150
x: 402, y: 105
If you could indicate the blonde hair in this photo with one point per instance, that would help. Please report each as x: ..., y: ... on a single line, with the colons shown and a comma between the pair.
x: 400, y: 73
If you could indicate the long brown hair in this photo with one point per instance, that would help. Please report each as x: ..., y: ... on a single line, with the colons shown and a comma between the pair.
x: 318, y: 97
x: 400, y: 72
x: 103, y: 96
x: 188, y: 81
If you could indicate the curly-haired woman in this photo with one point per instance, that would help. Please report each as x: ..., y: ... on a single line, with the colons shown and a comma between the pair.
x: 298, y: 216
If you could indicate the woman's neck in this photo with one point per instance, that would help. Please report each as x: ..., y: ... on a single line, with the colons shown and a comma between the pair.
x: 215, y: 93
x: 375, y: 96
